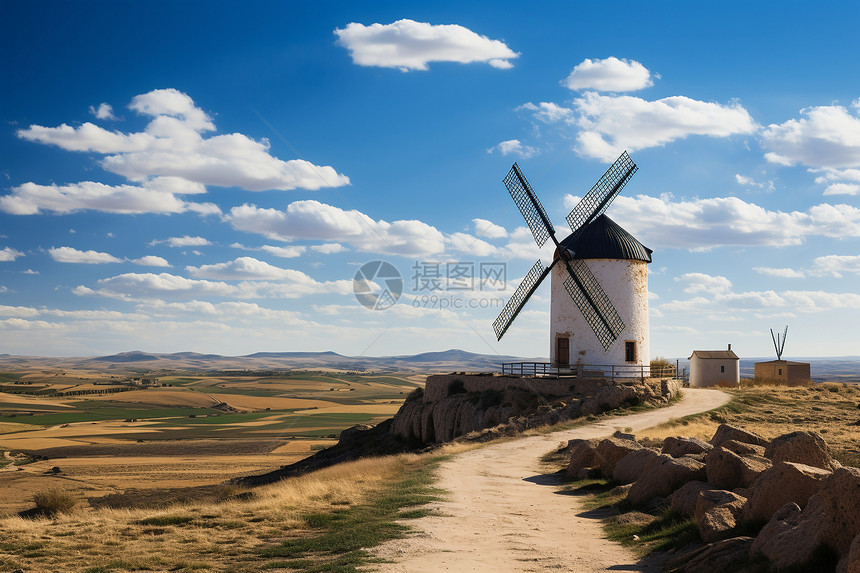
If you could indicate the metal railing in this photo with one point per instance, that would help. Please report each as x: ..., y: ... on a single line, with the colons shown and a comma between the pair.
x: 612, y: 371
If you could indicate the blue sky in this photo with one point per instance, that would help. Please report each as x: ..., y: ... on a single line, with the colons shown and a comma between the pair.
x: 210, y: 176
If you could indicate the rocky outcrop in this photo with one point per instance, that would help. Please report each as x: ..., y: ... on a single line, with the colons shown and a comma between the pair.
x: 632, y: 466
x: 728, y: 555
x: 830, y: 520
x: 718, y: 513
x: 728, y: 432
x: 728, y: 470
x: 678, y: 446
x: 683, y: 500
x: 663, y: 475
x: 851, y: 562
x: 783, y: 483
x: 582, y: 457
x: 807, y: 448
x: 610, y: 450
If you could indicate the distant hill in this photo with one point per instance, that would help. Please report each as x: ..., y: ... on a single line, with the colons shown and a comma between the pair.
x: 137, y: 361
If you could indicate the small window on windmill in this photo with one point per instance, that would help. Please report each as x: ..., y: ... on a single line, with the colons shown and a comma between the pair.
x: 722, y: 368
x: 780, y: 371
x: 630, y: 351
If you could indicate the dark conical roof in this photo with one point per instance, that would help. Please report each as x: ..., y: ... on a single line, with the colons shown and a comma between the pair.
x: 603, y: 238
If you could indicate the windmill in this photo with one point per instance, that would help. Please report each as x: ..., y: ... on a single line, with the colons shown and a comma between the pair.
x: 778, y: 344
x: 583, y: 267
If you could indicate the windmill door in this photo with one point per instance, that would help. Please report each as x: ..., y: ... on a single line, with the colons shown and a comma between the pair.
x: 562, y: 351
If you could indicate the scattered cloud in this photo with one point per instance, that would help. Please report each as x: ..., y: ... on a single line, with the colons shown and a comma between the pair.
x: 170, y: 157
x: 9, y: 254
x: 823, y: 137
x: 750, y: 182
x: 151, y: 261
x: 466, y: 243
x: 547, y: 112
x: 246, y: 268
x: 313, y: 220
x: 609, y: 75
x: 842, y: 189
x: 184, y: 241
x: 329, y: 248
x: 158, y: 196
x: 149, y: 286
x: 72, y: 255
x: 488, y: 229
x: 290, y: 252
x: 836, y: 265
x: 611, y: 124
x: 410, y: 45
x: 30, y: 272
x: 513, y: 146
x: 703, y: 283
x: 103, y: 111
x: 785, y: 273
x: 703, y: 224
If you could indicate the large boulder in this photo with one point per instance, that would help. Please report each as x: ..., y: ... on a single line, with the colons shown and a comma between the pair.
x: 807, y: 448
x: 631, y: 467
x: 784, y: 482
x: 831, y: 520
x: 727, y: 470
x: 683, y: 501
x: 581, y: 455
x: 663, y: 475
x: 610, y: 450
x: 678, y: 446
x: 743, y: 448
x: 728, y: 432
x: 718, y: 557
x: 718, y: 513
x: 851, y: 562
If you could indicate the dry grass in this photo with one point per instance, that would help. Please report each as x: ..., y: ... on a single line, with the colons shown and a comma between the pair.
x: 224, y: 536
x: 833, y: 410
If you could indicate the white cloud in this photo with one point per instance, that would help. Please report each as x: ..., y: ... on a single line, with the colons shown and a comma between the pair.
x: 319, y: 221
x: 785, y: 273
x: 609, y: 75
x: 824, y: 137
x: 484, y: 228
x: 30, y: 272
x: 842, y: 189
x: 149, y: 286
x: 547, y: 112
x: 151, y: 197
x: 246, y: 268
x: 611, y: 124
x: 71, y: 255
x: 329, y: 248
x: 704, y: 283
x: 104, y: 111
x: 750, y: 182
x: 172, y: 145
x: 151, y: 261
x: 835, y: 265
x: 9, y: 254
x: 410, y: 45
x: 290, y: 252
x: 514, y: 146
x: 184, y: 241
x: 466, y: 243
x: 18, y: 311
x: 702, y: 224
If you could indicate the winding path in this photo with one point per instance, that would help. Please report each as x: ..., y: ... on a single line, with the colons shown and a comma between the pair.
x: 501, y: 513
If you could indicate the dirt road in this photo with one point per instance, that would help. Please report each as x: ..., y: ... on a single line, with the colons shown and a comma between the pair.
x: 502, y: 513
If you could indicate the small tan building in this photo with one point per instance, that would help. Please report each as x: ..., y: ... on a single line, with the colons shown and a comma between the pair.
x: 784, y: 372
x: 714, y: 368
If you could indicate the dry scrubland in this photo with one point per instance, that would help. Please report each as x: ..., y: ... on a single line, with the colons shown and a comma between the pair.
x: 321, y: 521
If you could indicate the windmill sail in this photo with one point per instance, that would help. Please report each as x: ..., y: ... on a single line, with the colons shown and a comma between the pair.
x: 531, y: 208
x: 592, y: 302
x: 520, y: 297
x: 597, y: 200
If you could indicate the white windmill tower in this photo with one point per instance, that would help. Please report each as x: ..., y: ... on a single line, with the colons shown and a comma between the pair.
x: 599, y: 292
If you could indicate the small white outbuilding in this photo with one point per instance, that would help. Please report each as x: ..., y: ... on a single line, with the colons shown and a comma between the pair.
x: 714, y: 368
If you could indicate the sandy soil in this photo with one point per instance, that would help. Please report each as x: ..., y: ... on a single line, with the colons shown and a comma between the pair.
x: 503, y: 514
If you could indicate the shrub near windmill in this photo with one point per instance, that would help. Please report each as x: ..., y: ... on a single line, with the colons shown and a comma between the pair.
x: 782, y: 372
x: 599, y: 284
